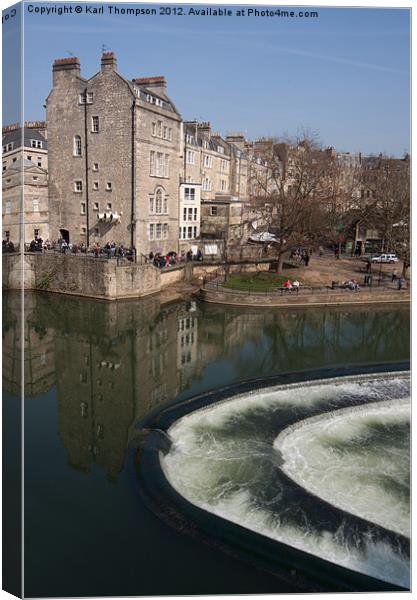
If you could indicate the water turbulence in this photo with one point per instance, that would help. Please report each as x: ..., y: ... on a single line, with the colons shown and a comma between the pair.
x: 322, y: 467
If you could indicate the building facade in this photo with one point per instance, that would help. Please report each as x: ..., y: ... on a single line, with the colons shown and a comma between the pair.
x: 25, y: 213
x: 115, y: 158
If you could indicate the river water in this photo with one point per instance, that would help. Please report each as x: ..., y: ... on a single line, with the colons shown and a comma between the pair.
x: 94, y: 371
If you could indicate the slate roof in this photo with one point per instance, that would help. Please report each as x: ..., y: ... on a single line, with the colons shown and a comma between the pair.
x: 15, y: 136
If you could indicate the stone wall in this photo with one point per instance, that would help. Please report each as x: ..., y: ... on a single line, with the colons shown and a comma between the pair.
x: 80, y: 276
x: 333, y: 297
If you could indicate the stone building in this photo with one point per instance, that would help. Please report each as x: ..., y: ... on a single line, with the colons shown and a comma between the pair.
x: 25, y: 183
x: 114, y: 158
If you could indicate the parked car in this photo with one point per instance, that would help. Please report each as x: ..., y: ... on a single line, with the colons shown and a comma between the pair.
x: 384, y: 258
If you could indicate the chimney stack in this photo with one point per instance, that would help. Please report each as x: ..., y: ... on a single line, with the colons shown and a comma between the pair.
x: 108, y: 62
x: 65, y: 67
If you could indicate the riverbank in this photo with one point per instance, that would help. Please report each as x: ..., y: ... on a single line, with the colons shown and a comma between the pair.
x: 322, y: 297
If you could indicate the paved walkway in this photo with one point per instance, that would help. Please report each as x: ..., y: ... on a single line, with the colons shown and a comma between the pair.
x: 322, y: 270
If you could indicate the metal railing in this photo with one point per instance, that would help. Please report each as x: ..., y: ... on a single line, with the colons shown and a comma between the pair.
x: 216, y: 282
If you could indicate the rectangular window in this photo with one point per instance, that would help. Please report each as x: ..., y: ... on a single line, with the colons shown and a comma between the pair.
x: 35, y: 178
x: 158, y: 231
x: 151, y: 206
x: 165, y: 230
x: 81, y: 98
x: 95, y: 125
x: 8, y: 207
x: 184, y: 233
x: 165, y: 133
x: 109, y: 186
x: 151, y: 231
x: 222, y: 185
x: 159, y: 133
x: 223, y: 165
x: 96, y: 206
x: 190, y: 214
x: 159, y: 164
x: 170, y: 134
x: 95, y: 185
x: 166, y: 166
x: 39, y: 161
x: 35, y: 204
x: 36, y: 143
x: 190, y: 157
x: 29, y: 157
x: 206, y: 184
x: 95, y: 166
x: 82, y: 211
x: 213, y: 211
x: 154, y: 129
x: 83, y: 230
x: 189, y: 194
x: 195, y: 231
x: 190, y: 233
x: 78, y: 186
x: 208, y: 161
x: 220, y: 149
x: 184, y: 214
x: 90, y: 97
x: 109, y: 206
x: 152, y: 163
x: 195, y: 214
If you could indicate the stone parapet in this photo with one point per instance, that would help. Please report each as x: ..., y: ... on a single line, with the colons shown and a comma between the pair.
x: 285, y: 300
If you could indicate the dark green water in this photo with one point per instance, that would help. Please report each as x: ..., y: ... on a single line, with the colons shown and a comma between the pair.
x: 92, y: 371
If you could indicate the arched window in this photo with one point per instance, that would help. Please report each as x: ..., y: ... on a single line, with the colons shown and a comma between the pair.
x: 77, y: 145
x: 159, y: 197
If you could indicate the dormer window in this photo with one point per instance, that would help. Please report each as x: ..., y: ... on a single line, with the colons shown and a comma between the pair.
x: 36, y: 143
x: 220, y: 149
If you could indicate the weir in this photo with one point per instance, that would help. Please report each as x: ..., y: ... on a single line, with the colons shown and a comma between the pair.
x: 228, y: 459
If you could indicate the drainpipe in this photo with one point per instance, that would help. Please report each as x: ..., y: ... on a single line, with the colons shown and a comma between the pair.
x: 87, y: 214
x: 133, y: 192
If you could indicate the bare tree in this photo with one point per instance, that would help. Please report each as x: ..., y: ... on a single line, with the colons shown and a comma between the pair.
x: 386, y: 203
x: 293, y: 201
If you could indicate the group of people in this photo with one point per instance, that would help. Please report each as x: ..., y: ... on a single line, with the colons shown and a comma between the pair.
x: 109, y: 250
x: 302, y: 255
x: 351, y: 284
x: 291, y: 286
x: 172, y: 258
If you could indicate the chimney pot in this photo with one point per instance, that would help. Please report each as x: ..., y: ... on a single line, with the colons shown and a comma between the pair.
x: 108, y: 61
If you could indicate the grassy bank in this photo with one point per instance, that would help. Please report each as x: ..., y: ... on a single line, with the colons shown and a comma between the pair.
x: 256, y: 282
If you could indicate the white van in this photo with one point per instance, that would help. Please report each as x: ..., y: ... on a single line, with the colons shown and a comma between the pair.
x: 385, y: 258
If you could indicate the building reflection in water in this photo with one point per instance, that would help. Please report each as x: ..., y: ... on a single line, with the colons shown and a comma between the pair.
x: 112, y: 363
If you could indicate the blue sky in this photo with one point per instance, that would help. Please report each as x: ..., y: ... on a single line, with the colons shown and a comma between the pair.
x: 344, y: 74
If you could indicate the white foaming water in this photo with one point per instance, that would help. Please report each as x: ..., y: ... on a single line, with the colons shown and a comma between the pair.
x: 330, y: 456
x: 222, y: 460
